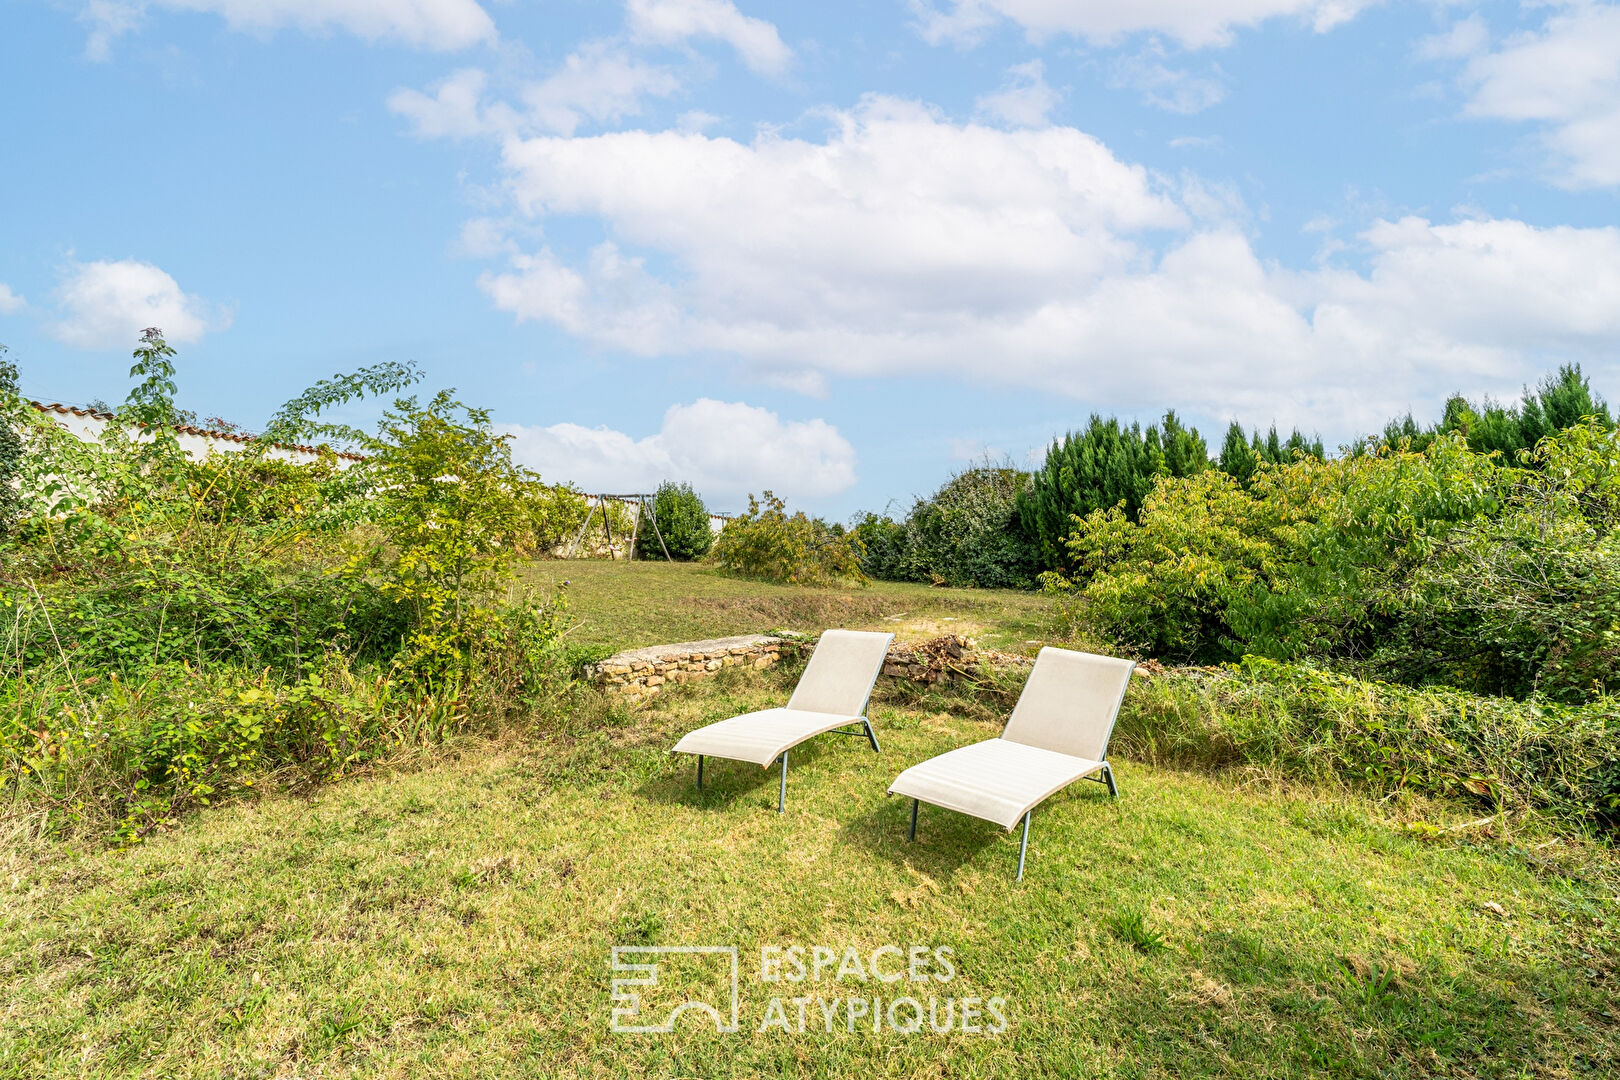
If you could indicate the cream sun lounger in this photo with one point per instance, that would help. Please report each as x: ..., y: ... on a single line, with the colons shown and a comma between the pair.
x: 1058, y: 733
x: 831, y: 695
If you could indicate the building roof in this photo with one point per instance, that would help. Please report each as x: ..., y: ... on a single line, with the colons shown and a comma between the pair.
x: 187, y: 429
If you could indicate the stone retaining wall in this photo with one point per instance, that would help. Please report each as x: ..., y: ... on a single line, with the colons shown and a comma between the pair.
x: 643, y: 672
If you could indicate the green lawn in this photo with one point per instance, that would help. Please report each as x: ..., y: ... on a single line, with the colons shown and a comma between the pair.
x: 457, y: 920
x: 624, y: 605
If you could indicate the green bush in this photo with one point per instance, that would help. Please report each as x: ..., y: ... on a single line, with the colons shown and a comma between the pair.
x: 1444, y: 566
x: 967, y: 534
x: 682, y: 524
x: 768, y: 544
x: 1501, y: 754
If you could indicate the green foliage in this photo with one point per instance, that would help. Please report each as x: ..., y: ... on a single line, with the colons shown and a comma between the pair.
x: 1242, y: 457
x: 683, y: 524
x: 12, y: 418
x: 1526, y: 600
x: 966, y: 534
x: 456, y: 513
x: 1560, y: 401
x: 1107, y: 464
x: 1307, y: 560
x: 172, y: 628
x: 1501, y: 754
x: 768, y: 544
x: 128, y: 755
x: 1444, y: 566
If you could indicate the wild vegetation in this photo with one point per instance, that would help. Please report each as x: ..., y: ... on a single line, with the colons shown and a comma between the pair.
x: 177, y: 629
x: 769, y: 544
x: 966, y: 534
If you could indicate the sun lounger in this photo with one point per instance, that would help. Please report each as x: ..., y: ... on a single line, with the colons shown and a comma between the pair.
x: 1058, y: 733
x: 831, y: 696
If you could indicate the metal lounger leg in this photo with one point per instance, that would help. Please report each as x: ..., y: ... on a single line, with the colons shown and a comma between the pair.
x: 870, y: 734
x: 1024, y: 846
x: 1108, y: 778
x: 913, y: 835
x: 700, y: 772
x: 781, y: 795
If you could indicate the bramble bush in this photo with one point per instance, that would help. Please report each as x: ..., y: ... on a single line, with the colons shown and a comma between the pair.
x: 768, y: 544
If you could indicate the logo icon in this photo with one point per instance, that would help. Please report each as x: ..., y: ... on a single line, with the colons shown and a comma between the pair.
x: 696, y: 979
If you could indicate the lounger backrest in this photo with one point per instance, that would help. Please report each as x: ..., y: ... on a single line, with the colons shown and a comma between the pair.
x: 841, y: 672
x: 1070, y: 702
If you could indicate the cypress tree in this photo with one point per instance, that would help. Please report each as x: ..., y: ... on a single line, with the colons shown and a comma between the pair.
x: 1106, y: 464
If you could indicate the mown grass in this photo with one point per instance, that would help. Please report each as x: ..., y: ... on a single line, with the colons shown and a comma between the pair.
x: 458, y: 921
x: 626, y: 605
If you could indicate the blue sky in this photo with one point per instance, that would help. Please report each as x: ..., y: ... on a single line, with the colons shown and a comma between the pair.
x: 833, y: 249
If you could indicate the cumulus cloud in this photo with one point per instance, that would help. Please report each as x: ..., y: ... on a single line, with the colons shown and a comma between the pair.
x: 725, y: 450
x: 1024, y: 99
x: 673, y: 22
x: 10, y: 302
x: 105, y: 305
x: 902, y: 242
x: 1564, y: 77
x: 440, y: 25
x: 1194, y: 23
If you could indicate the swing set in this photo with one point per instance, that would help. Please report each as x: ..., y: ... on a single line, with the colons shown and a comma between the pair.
x: 600, y: 502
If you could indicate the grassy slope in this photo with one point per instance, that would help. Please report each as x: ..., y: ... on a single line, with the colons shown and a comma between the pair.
x: 457, y: 921
x: 627, y: 605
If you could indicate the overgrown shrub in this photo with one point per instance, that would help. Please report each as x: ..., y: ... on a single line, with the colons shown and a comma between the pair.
x: 769, y: 544
x: 1500, y: 754
x: 172, y: 629
x: 1444, y: 566
x: 128, y: 755
x: 682, y: 524
x: 967, y: 534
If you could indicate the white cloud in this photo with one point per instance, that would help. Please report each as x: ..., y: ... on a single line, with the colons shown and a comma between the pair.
x: 902, y: 243
x: 1176, y: 90
x: 1024, y: 99
x: 598, y: 82
x: 440, y: 25
x: 1466, y: 37
x: 725, y: 450
x: 105, y: 305
x: 1565, y: 77
x: 1194, y: 23
x: 673, y: 22
x: 10, y: 302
